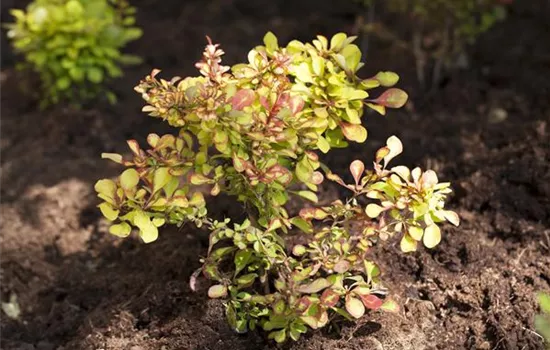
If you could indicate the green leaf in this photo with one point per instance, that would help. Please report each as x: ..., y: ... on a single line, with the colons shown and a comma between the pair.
x: 390, y: 305
x: 352, y: 55
x: 161, y: 177
x: 542, y: 325
x: 95, y: 75
x: 279, y: 336
x: 74, y: 8
x: 387, y: 79
x: 129, y: 179
x: 63, y: 83
x: 310, y: 196
x: 242, y: 258
x: 544, y: 302
x: 246, y: 280
x: 148, y: 232
x: 197, y: 200
x: 315, y: 286
x: 302, y: 224
x: 120, y: 230
x: 158, y: 222
x: 298, y: 250
x: 270, y: 42
x: 337, y: 42
x: 199, y: 179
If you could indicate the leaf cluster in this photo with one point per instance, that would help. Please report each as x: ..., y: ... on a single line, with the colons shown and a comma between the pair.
x: 74, y: 45
x: 254, y: 131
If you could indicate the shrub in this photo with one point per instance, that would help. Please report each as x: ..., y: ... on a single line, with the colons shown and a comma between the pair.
x: 252, y: 131
x: 542, y: 321
x: 440, y: 30
x: 74, y: 45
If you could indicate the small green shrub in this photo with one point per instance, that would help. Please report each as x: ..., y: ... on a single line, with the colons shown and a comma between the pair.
x: 252, y: 131
x: 440, y: 29
x: 74, y: 45
x: 542, y: 321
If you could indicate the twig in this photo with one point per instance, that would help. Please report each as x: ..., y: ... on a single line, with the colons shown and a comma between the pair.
x: 532, y: 332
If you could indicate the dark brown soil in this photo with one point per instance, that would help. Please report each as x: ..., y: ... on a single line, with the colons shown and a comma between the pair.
x: 80, y: 288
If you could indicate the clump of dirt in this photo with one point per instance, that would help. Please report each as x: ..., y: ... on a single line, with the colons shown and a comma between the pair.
x: 80, y: 288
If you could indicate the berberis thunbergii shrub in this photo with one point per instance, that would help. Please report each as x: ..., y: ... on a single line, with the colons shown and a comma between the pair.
x: 74, y: 45
x: 252, y: 131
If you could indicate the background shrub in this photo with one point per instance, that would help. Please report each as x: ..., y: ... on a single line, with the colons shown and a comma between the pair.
x: 74, y: 45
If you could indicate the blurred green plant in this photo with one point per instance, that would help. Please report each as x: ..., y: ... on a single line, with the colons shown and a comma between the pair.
x: 440, y: 30
x: 74, y: 45
x: 542, y: 321
x: 252, y: 131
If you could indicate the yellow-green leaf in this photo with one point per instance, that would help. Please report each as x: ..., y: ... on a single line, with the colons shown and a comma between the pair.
x: 387, y: 79
x: 108, y: 211
x: 117, y: 158
x: 106, y: 187
x: 354, y: 132
x: 408, y: 244
x: 452, y: 217
x: 355, y: 307
x: 432, y: 236
x: 416, y: 232
x: 161, y: 178
x: 373, y: 210
x: 129, y: 179
x: 120, y: 230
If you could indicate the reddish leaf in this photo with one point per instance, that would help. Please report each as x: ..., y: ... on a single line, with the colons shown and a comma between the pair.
x: 313, y: 213
x: 317, y: 178
x: 342, y: 266
x: 357, y: 168
x: 371, y: 301
x: 134, y: 146
x: 329, y: 298
x: 296, y: 104
x: 239, y: 163
x: 243, y: 98
x: 303, y: 304
x: 392, y: 98
x: 264, y: 102
x: 280, y: 174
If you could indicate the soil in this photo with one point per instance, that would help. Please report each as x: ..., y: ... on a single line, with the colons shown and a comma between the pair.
x: 486, y: 129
